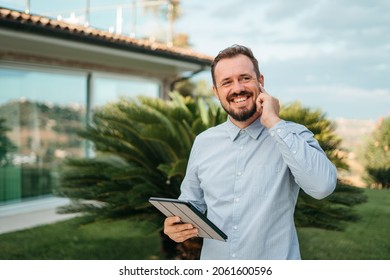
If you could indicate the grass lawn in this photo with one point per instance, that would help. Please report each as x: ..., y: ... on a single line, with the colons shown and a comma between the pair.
x: 73, y: 240
x: 367, y: 239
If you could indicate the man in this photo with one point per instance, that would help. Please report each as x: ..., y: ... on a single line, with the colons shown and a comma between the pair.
x: 247, y: 172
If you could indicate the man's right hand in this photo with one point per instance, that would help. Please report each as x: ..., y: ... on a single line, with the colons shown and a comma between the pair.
x: 179, y: 232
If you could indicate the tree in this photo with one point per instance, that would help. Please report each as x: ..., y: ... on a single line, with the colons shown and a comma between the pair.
x: 377, y: 156
x: 333, y: 211
x: 6, y: 145
x: 322, y: 128
x: 142, y: 148
x: 200, y: 89
x: 170, y: 9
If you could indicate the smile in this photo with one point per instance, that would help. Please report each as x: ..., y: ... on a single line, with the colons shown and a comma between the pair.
x: 238, y: 98
x: 241, y: 99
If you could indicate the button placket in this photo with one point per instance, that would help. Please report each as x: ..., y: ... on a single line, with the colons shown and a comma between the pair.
x: 238, y: 189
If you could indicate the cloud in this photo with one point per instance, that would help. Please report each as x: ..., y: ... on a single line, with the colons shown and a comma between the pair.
x: 330, y: 54
x: 303, y: 26
x: 348, y: 14
x: 342, y: 92
x: 285, y: 10
x: 338, y: 101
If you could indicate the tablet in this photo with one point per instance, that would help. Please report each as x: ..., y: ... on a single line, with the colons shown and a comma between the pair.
x: 188, y: 213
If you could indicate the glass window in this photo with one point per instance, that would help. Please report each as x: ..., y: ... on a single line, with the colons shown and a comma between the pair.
x: 39, y: 112
x: 110, y: 89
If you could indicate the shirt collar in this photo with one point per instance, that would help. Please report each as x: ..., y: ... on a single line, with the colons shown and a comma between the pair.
x: 254, y: 129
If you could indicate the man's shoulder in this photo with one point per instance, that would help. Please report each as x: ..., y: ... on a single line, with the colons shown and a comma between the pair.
x: 213, y: 130
x: 212, y: 133
x: 290, y: 125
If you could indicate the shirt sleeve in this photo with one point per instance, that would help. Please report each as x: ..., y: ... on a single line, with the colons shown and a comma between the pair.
x: 311, y: 168
x: 190, y: 187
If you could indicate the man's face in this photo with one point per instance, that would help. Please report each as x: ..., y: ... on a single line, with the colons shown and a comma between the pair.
x: 237, y: 87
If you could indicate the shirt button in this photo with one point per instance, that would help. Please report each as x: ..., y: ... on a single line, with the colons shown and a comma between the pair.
x: 236, y: 200
x: 279, y: 130
x: 239, y: 174
x: 272, y: 134
x: 235, y: 227
x: 241, y: 147
x: 294, y: 152
x: 233, y: 255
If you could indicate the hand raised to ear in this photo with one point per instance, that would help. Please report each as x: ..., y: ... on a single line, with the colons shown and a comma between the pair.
x: 269, y: 108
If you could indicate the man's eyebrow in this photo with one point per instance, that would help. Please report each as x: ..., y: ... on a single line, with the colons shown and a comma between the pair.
x: 246, y: 74
x: 224, y: 80
x: 240, y: 75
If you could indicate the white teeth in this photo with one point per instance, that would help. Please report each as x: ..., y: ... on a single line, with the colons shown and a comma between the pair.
x: 240, y: 99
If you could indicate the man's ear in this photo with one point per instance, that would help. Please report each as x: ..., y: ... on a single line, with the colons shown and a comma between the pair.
x: 261, y: 80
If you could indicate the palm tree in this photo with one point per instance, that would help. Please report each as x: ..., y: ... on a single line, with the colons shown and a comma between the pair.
x: 142, y: 148
x: 322, y: 128
x: 335, y: 210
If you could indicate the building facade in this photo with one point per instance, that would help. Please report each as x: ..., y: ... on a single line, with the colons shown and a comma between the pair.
x: 52, y: 76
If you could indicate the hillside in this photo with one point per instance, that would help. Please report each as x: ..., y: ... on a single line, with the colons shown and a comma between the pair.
x: 42, y: 131
x: 354, y: 134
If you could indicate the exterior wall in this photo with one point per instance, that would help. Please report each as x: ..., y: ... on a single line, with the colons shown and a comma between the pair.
x: 41, y: 108
x: 52, y: 76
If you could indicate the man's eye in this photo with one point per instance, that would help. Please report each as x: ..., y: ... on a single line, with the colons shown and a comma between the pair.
x: 226, y: 83
x: 246, y: 78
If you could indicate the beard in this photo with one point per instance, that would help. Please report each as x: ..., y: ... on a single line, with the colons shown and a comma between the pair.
x: 240, y: 115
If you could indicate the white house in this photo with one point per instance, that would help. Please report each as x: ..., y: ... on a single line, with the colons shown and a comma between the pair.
x: 52, y: 75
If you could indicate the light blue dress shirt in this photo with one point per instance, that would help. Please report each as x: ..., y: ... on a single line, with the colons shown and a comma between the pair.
x: 248, y: 181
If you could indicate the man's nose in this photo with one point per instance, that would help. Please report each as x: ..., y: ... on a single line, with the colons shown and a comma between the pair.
x: 237, y: 86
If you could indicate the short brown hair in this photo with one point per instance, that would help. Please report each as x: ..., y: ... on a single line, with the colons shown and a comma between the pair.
x: 233, y: 51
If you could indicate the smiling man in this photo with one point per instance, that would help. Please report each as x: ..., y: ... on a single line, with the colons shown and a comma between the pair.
x: 247, y: 172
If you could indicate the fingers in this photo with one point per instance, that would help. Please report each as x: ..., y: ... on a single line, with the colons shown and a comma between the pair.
x: 261, y: 97
x: 178, y: 232
x: 171, y: 221
x: 259, y: 103
x: 269, y: 107
x: 261, y: 88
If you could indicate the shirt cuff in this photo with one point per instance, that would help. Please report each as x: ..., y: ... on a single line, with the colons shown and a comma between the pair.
x: 279, y: 129
x: 283, y: 134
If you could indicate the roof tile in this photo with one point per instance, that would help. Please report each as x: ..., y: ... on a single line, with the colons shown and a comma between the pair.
x: 53, y: 24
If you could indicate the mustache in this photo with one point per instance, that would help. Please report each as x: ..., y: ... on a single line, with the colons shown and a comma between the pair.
x: 231, y: 96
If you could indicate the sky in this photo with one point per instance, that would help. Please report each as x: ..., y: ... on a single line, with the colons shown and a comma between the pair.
x: 332, y: 55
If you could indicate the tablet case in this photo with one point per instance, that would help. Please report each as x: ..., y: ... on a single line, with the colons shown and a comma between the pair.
x: 188, y: 213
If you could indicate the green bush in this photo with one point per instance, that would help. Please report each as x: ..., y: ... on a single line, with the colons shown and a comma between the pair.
x: 142, y: 147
